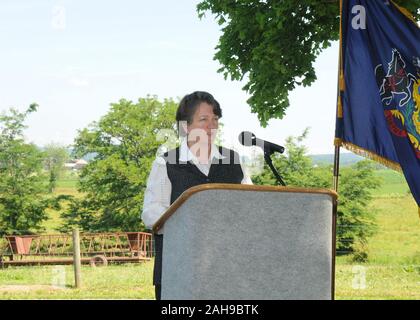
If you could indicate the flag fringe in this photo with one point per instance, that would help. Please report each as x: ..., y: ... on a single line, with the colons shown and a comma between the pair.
x: 367, y: 154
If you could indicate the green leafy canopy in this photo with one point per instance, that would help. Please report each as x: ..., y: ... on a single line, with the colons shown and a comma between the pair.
x: 274, y: 44
x: 23, y: 200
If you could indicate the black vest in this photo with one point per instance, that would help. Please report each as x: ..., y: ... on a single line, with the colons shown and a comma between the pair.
x: 184, y: 175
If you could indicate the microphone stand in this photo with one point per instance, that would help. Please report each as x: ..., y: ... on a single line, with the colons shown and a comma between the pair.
x: 268, y: 160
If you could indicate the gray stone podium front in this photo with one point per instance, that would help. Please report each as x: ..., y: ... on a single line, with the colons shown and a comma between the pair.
x: 224, y: 241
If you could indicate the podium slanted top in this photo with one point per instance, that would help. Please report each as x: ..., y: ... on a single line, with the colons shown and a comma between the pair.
x: 240, y: 187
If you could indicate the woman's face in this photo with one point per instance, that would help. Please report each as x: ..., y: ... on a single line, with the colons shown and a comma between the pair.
x: 204, y: 125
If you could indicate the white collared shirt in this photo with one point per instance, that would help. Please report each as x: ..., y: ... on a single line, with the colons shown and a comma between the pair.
x: 157, y: 197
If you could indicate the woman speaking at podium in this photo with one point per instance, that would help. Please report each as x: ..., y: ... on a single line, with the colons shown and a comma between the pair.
x: 196, y: 161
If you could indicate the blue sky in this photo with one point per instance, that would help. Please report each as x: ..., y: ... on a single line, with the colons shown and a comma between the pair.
x: 76, y: 57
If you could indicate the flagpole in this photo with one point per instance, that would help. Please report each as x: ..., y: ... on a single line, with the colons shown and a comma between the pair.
x: 336, y: 167
x: 339, y: 112
x: 337, y: 158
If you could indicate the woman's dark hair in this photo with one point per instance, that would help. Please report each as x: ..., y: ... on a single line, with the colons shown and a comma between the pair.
x: 189, y: 104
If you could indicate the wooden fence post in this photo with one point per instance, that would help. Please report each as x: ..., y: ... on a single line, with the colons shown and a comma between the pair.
x: 76, y: 258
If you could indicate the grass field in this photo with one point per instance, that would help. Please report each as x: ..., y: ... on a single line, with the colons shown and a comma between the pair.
x: 126, y: 281
x: 393, y: 184
x: 392, y: 270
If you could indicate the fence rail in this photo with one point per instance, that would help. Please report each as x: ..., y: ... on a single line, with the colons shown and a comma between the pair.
x: 58, y: 248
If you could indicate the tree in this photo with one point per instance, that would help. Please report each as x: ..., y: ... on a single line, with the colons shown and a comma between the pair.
x: 124, y: 143
x: 55, y: 157
x: 355, y: 220
x: 22, y: 205
x: 275, y: 43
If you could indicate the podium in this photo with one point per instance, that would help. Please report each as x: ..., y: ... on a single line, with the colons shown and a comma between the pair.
x: 248, y: 242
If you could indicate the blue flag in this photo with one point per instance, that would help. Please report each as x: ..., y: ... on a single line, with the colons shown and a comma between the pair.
x: 378, y: 107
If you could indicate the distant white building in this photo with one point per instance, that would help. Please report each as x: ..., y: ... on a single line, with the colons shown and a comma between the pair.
x: 75, y: 164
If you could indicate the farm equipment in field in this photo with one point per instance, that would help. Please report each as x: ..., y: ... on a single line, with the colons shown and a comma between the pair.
x: 95, y: 248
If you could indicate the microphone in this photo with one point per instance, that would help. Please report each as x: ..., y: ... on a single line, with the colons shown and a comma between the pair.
x: 248, y: 139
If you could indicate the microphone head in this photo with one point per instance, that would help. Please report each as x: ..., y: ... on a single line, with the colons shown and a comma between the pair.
x: 247, y: 138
